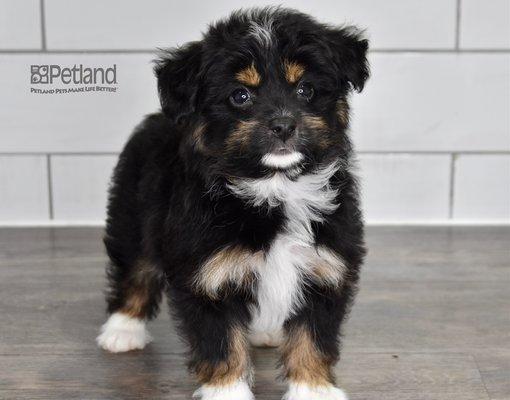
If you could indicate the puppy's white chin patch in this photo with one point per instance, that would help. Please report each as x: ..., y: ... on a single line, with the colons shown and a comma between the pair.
x: 282, y: 160
x: 301, y: 391
x: 122, y: 333
x: 239, y: 390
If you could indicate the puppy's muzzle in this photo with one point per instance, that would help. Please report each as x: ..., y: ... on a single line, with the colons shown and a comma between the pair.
x: 284, y: 128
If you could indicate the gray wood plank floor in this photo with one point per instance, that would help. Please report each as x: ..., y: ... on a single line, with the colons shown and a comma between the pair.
x: 431, y: 322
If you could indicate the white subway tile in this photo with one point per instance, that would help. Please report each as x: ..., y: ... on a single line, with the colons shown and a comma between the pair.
x: 20, y: 25
x: 394, y: 24
x: 405, y: 187
x: 23, y: 188
x: 119, y: 24
x: 79, y: 122
x: 485, y: 24
x: 80, y: 185
x: 434, y: 102
x: 482, y: 187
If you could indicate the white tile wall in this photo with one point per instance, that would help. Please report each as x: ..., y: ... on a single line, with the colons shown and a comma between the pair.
x: 79, y: 122
x: 405, y: 187
x: 435, y: 102
x: 439, y: 92
x: 20, y: 24
x: 425, y: 102
x: 482, y: 187
x: 120, y: 24
x: 80, y: 186
x: 485, y: 24
x: 23, y: 189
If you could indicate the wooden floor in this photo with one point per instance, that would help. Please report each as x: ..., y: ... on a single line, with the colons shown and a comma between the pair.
x: 431, y: 322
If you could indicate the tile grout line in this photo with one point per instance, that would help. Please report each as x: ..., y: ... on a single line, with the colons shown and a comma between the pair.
x: 43, y: 26
x: 50, y: 187
x: 451, y: 199
x: 457, y: 24
x: 441, y: 51
x: 63, y: 153
x: 432, y: 152
x: 456, y: 49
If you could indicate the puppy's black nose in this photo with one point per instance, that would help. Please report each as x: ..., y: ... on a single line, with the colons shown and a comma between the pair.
x: 283, y: 127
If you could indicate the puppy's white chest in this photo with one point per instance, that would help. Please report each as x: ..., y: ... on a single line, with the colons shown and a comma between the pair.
x: 290, y: 256
x: 293, y: 254
x: 279, y: 284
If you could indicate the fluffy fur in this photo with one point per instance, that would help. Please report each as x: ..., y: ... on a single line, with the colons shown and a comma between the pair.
x: 238, y: 201
x: 305, y: 392
x: 239, y: 390
x: 122, y: 333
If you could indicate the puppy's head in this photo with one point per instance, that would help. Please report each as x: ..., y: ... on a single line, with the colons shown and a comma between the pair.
x: 265, y: 90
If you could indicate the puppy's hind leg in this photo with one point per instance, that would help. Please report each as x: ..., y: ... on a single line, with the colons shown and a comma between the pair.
x: 134, y: 297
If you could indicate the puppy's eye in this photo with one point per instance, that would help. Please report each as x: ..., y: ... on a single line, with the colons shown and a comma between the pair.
x: 240, y: 97
x: 305, y: 90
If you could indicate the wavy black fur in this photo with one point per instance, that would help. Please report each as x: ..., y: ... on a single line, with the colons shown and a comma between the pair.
x: 169, y: 204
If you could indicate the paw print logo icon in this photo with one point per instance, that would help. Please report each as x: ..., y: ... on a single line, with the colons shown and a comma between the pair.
x: 39, y: 74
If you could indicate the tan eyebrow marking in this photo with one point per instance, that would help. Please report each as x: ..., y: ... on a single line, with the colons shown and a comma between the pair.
x: 293, y: 71
x: 249, y: 76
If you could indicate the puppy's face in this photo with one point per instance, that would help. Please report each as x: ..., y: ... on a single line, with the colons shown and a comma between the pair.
x: 265, y: 91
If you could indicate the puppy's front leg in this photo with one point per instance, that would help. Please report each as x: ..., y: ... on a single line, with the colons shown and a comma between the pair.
x: 216, y: 332
x: 311, y: 346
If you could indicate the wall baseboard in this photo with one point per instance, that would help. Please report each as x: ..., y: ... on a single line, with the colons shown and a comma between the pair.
x: 51, y: 223
x: 416, y: 222
x: 439, y: 222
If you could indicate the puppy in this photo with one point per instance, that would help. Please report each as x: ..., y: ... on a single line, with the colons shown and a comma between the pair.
x: 237, y: 201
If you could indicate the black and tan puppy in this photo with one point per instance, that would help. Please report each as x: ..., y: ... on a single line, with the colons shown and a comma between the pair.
x: 238, y: 202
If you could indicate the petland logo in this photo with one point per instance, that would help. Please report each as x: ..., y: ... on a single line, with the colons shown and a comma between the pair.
x: 76, y: 79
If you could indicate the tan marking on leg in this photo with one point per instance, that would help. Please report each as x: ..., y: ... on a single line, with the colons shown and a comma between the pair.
x: 240, y: 136
x: 249, y: 76
x: 293, y: 71
x: 231, y: 265
x: 328, y: 267
x: 137, y: 290
x: 235, y: 367
x: 135, y: 303
x: 342, y: 110
x: 303, y: 362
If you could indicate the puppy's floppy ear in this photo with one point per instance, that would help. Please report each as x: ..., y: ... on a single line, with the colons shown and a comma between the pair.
x: 349, y: 53
x: 177, y: 72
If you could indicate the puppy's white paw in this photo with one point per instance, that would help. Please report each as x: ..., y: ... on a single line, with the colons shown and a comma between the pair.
x: 266, y: 339
x: 237, y: 391
x: 299, y: 391
x: 123, y: 333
